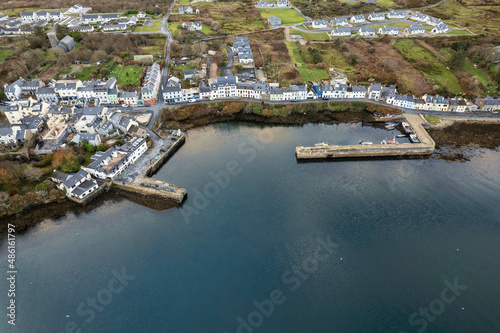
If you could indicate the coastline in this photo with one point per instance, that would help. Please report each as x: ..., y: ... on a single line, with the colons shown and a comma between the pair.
x: 444, y: 133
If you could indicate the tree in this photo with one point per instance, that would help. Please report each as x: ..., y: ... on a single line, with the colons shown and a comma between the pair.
x: 76, y: 36
x: 32, y: 174
x: 199, y: 49
x: 61, y: 31
x: 7, y: 177
x: 124, y: 55
x: 2, y: 95
x: 457, y: 60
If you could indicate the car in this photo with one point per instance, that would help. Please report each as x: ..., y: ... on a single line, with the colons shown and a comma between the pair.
x: 192, y: 100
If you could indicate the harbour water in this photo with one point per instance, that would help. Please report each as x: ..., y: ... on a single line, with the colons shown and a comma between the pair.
x: 264, y: 243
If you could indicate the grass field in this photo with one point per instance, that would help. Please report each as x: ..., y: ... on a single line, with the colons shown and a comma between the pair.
x: 287, y: 15
x: 148, y: 28
x: 386, y: 3
x: 310, y: 35
x: 233, y: 26
x: 172, y: 26
x: 457, y: 32
x: 183, y: 2
x: 157, y: 49
x: 206, y: 29
x: 84, y: 74
x: 434, y: 71
x: 4, y: 53
x: 128, y: 75
x: 308, y: 74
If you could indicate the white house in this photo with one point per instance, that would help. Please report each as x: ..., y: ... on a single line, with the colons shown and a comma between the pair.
x: 172, y: 93
x: 374, y: 91
x: 186, y: 10
x: 90, y: 18
x: 367, y: 31
x: 319, y: 24
x: 434, y: 21
x: 56, y: 16
x: 76, y: 8
x: 415, y: 29
x: 419, y: 17
x: 224, y: 87
x: 114, y: 27
x: 283, y: 4
x: 29, y: 17
x: 392, y: 31
x: 193, y: 26
x: 295, y: 93
x: 342, y: 21
x: 376, y: 17
x: 112, y: 162
x: 440, y: 29
x: 341, y: 32
x: 396, y: 14
x: 358, y: 19
x: 141, y: 14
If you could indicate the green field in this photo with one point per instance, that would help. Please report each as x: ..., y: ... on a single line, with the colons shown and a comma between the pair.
x: 308, y: 74
x: 386, y: 3
x: 287, y: 15
x: 83, y: 75
x: 156, y: 49
x: 4, y: 53
x: 233, y: 26
x: 435, y: 71
x: 183, y: 2
x: 310, y: 35
x: 148, y: 28
x: 206, y: 29
x: 172, y: 26
x: 457, y: 32
x: 128, y: 75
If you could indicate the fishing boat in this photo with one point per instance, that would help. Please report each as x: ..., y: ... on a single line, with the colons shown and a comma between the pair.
x: 407, y: 127
x: 321, y: 144
x: 390, y: 126
x: 362, y: 142
x: 389, y: 142
x: 414, y: 138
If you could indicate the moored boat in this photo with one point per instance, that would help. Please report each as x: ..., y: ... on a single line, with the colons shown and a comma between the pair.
x: 414, y: 138
x: 407, y: 127
x: 362, y: 142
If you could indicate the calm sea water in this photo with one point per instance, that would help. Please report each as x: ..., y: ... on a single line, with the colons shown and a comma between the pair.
x: 250, y: 250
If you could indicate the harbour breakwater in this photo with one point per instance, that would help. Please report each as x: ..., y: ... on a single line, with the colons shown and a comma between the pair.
x: 425, y: 147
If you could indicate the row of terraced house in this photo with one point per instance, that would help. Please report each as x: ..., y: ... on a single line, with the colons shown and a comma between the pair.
x: 71, y: 92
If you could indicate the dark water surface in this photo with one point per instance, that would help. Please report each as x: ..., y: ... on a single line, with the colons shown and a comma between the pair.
x: 255, y: 229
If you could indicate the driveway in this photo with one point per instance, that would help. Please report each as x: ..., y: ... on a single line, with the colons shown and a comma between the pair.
x: 226, y: 70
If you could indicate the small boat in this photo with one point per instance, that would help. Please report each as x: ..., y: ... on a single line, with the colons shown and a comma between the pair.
x: 390, y: 127
x: 401, y: 136
x: 321, y: 144
x: 362, y: 142
x: 407, y: 127
x: 389, y: 142
x: 414, y: 138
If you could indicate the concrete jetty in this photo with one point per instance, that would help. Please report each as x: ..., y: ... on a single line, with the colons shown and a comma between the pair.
x: 144, y: 185
x: 425, y: 147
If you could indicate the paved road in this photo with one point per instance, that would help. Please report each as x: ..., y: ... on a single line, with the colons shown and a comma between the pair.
x: 226, y: 70
x: 156, y: 109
